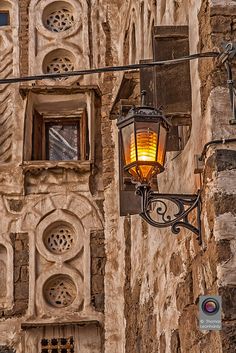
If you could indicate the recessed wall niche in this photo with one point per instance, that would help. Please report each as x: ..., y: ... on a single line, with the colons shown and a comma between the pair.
x: 58, y: 16
x: 3, y: 272
x: 60, y: 242
x: 6, y: 273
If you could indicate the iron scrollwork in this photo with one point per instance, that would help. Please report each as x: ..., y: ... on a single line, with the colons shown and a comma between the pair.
x: 158, y: 203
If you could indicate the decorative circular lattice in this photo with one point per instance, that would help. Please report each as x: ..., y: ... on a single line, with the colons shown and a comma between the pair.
x: 59, y: 20
x: 59, y: 65
x: 60, y: 291
x: 59, y: 238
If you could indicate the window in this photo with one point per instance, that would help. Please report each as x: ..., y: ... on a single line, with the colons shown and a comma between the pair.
x: 62, y: 140
x: 59, y: 138
x: 57, y: 345
x: 4, y: 18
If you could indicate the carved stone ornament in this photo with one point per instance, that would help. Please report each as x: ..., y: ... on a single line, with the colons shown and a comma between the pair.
x: 60, y: 291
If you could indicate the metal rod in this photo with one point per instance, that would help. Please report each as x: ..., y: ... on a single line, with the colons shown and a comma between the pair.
x: 209, y: 143
x: 108, y: 69
x: 232, y: 92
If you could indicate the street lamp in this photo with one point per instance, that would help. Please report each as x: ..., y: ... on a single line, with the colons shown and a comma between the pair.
x: 143, y: 136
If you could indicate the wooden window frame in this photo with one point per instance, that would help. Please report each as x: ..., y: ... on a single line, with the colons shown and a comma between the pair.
x: 41, y: 123
x: 48, y: 345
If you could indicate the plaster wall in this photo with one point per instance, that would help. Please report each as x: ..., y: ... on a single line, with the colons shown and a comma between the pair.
x: 164, y: 273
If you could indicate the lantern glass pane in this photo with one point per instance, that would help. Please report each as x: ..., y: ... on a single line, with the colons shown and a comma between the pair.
x: 128, y: 140
x: 147, y: 143
x: 162, y: 145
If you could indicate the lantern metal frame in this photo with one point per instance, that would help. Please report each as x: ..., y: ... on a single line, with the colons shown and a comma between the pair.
x: 141, y: 114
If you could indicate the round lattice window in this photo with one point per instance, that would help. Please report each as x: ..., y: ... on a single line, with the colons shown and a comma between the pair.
x: 58, y: 65
x: 59, y: 61
x: 58, y: 16
x: 60, y: 20
x: 60, y: 291
x: 59, y: 238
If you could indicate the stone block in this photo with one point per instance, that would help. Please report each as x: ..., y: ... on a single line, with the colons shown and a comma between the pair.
x: 225, y: 203
x: 98, y: 283
x: 228, y: 294
x: 18, y: 245
x: 22, y: 257
x: 24, y: 275
x: 211, y: 342
x: 20, y: 307
x: 176, y: 264
x: 6, y: 349
x: 224, y: 250
x: 175, y: 342
x: 220, y: 24
x: 162, y: 343
x: 228, y: 335
x: 21, y: 290
x: 17, y: 273
x: 98, y: 266
x: 199, y: 284
x: 184, y: 293
x: 189, y: 328
x: 98, y: 301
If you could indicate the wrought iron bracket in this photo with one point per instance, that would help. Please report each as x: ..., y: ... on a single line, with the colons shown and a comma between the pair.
x: 154, y: 202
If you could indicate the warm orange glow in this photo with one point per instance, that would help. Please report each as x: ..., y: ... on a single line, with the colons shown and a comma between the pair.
x: 146, y: 146
x: 146, y: 149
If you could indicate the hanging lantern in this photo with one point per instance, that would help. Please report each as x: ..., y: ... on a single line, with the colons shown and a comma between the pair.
x: 143, y: 136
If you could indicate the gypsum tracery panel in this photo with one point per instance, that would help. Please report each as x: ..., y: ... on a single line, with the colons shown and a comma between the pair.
x: 58, y: 61
x: 59, y: 238
x: 60, y: 65
x: 60, y: 291
x: 59, y: 20
x: 59, y: 16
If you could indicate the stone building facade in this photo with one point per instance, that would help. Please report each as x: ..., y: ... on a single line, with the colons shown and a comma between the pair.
x: 74, y: 275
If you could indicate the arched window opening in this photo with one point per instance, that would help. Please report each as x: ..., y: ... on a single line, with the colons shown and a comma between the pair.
x: 142, y: 30
x: 126, y: 49
x: 133, y: 45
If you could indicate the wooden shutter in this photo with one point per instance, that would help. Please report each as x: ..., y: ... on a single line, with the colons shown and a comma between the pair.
x: 147, y: 83
x: 37, y: 135
x: 172, y: 82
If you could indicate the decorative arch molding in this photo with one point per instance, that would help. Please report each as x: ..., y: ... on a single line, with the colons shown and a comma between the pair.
x: 78, y: 205
x: 6, y: 272
x: 138, y: 14
x: 59, y: 236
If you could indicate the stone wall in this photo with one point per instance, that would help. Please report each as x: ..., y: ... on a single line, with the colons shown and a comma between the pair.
x: 98, y: 261
x: 165, y: 274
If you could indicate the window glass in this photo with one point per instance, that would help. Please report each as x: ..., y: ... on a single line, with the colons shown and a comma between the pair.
x: 62, y: 141
x: 4, y: 18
